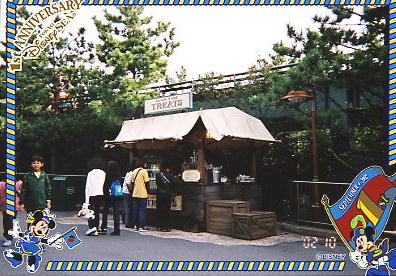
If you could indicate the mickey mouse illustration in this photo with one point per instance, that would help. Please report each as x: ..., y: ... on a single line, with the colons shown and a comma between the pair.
x: 368, y: 255
x: 30, y: 243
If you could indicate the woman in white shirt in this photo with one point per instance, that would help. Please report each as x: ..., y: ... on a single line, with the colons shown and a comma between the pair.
x: 94, y: 193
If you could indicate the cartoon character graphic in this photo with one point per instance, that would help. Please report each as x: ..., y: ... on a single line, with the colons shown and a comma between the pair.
x: 30, y: 243
x: 368, y: 256
x: 360, y: 216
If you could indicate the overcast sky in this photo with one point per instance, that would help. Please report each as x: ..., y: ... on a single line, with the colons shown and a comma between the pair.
x: 220, y: 39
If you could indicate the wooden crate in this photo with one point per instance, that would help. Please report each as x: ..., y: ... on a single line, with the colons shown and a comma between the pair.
x: 254, y: 225
x: 219, y: 215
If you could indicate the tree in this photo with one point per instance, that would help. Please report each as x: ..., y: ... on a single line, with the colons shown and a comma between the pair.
x: 137, y: 55
x: 336, y: 55
x: 75, y: 128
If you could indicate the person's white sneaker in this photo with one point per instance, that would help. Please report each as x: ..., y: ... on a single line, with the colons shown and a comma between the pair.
x: 135, y: 228
x: 92, y: 232
x: 143, y: 229
x: 6, y: 243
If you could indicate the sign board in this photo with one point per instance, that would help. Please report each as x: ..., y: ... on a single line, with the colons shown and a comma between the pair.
x: 191, y: 176
x: 176, y: 203
x: 169, y: 103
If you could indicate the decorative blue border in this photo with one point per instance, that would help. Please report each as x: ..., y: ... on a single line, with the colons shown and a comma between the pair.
x: 11, y: 82
x: 213, y: 2
x: 196, y: 266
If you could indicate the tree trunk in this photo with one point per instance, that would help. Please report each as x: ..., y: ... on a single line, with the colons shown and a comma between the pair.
x: 53, y: 158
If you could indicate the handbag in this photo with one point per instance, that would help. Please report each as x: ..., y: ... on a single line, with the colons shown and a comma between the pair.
x: 131, y: 185
x: 115, y: 188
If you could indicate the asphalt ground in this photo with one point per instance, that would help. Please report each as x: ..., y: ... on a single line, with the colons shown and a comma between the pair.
x: 149, y: 246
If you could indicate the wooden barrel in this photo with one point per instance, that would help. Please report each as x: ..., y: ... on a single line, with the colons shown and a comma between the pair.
x: 252, y: 192
x: 195, y: 197
x: 232, y: 191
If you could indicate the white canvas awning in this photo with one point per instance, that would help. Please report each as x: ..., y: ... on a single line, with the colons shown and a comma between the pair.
x: 228, y: 122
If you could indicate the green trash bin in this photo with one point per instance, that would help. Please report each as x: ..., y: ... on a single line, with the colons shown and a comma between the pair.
x: 63, y: 194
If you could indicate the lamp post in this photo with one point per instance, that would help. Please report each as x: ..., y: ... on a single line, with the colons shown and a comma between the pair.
x: 298, y: 97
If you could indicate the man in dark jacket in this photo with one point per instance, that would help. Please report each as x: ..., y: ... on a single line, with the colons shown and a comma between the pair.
x: 165, y: 183
x: 36, y: 188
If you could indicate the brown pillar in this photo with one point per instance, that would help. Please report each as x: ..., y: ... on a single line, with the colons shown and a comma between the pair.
x: 253, y: 162
x: 202, y: 164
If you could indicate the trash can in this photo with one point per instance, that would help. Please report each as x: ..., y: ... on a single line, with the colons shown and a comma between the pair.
x: 63, y: 194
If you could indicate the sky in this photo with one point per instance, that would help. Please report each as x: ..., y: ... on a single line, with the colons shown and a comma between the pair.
x: 223, y: 40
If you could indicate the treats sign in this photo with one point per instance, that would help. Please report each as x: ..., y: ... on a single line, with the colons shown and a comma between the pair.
x: 170, y: 103
x: 45, y: 37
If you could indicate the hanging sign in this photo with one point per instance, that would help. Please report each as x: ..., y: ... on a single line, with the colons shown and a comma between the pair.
x: 191, y: 176
x: 169, y: 103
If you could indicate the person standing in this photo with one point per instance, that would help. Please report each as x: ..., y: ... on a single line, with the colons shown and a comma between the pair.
x: 127, y: 197
x: 7, y: 219
x: 165, y: 183
x: 36, y: 188
x: 112, y: 197
x: 140, y: 192
x: 94, y: 194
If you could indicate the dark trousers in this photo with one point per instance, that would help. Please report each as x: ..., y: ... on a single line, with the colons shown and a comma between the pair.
x: 139, y: 206
x: 128, y: 209
x: 7, y: 225
x: 163, y: 211
x: 96, y: 202
x: 113, y: 202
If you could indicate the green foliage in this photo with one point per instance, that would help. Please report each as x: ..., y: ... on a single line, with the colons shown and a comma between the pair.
x: 69, y: 134
x: 333, y: 56
x: 132, y: 47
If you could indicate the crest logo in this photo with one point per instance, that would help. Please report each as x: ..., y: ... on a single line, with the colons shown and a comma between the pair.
x: 66, y: 8
x: 360, y: 217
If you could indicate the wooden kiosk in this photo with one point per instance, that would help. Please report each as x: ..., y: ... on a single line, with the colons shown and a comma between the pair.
x: 212, y: 129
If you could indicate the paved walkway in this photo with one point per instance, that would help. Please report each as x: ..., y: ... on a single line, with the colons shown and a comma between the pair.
x: 197, y: 237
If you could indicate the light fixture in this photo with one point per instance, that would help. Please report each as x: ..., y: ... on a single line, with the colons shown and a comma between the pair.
x: 297, y: 96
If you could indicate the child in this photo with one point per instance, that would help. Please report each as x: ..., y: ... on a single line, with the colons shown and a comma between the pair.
x: 36, y: 188
x: 7, y: 219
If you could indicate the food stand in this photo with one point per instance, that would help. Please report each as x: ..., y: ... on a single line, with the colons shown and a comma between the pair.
x: 204, y: 130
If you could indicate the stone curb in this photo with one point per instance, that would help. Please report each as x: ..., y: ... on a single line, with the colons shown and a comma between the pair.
x: 321, y: 232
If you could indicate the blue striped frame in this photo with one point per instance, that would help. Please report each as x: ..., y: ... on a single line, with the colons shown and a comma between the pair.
x: 11, y: 85
x: 195, y: 266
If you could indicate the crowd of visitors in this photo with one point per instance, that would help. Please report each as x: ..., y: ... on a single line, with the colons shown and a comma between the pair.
x: 105, y: 189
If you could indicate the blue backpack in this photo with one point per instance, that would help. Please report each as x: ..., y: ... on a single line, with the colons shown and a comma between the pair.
x: 115, y: 188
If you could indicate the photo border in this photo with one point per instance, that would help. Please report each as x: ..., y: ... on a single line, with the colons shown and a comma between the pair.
x: 11, y: 85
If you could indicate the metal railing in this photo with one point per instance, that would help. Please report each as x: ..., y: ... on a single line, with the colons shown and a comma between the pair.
x: 299, y: 206
x: 68, y: 190
x: 302, y: 199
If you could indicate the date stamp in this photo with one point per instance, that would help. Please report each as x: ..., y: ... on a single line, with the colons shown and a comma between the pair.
x: 311, y: 242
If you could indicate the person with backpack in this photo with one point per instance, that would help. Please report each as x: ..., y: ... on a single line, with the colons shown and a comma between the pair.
x: 140, y: 189
x: 112, y: 190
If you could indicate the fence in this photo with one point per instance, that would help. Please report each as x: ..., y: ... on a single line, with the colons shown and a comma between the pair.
x: 68, y: 191
x: 301, y: 199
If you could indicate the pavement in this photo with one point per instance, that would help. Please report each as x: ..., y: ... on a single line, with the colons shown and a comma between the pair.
x: 181, y: 246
